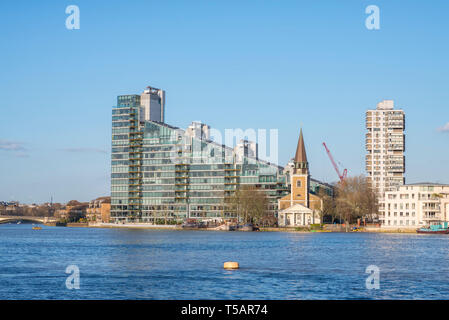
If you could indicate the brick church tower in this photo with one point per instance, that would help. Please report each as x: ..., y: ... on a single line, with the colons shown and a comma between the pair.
x: 300, y: 180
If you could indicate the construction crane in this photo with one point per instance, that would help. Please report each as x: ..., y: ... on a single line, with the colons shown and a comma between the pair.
x: 345, y: 171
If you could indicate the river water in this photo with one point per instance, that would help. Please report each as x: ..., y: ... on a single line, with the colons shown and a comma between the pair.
x: 150, y: 264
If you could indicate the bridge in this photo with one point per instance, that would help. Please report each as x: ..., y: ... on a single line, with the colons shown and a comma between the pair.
x: 7, y: 219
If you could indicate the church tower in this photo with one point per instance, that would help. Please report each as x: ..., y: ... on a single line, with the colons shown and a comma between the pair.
x: 300, y: 179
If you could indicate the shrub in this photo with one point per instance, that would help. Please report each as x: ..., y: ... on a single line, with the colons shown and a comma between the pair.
x: 315, y: 226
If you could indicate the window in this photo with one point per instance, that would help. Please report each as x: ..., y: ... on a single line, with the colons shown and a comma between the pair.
x: 298, y: 183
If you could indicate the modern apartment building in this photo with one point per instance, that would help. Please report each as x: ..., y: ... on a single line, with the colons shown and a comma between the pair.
x: 160, y: 172
x: 385, y: 146
x: 416, y: 205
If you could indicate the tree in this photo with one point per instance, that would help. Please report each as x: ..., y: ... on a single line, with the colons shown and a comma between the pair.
x: 76, y: 213
x: 328, y: 205
x: 250, y: 203
x: 75, y: 216
x: 268, y: 220
x: 356, y: 199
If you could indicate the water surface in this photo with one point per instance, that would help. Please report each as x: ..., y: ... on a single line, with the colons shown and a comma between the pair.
x: 150, y: 264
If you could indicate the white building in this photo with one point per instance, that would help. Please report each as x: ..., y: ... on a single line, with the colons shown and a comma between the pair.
x: 246, y: 148
x: 385, y: 146
x: 416, y: 205
x: 153, y: 104
x: 198, y: 130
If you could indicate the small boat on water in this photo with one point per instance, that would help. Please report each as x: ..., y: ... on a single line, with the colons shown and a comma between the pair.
x: 19, y: 222
x: 37, y: 228
x: 441, y: 228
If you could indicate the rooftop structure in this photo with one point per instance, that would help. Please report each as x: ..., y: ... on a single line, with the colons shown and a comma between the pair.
x: 153, y: 104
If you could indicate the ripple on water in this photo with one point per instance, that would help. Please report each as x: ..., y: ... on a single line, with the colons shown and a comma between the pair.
x: 150, y: 264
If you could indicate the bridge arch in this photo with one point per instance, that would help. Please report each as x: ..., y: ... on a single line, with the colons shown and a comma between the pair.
x: 7, y: 220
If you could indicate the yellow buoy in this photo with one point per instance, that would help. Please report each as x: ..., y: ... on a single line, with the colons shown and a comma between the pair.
x: 231, y: 265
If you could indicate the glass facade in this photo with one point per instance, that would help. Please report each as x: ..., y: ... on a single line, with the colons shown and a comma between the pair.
x: 160, y: 173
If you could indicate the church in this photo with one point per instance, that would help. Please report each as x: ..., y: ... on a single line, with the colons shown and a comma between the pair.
x: 302, y: 206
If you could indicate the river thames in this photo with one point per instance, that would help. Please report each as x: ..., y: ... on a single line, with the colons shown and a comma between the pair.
x: 153, y: 264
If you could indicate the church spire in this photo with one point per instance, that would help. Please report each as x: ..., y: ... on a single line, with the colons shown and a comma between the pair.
x: 301, y: 164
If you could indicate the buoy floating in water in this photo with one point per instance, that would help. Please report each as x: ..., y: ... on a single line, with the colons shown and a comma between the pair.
x: 231, y: 265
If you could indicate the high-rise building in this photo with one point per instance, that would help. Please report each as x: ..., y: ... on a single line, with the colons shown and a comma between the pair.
x: 385, y: 146
x: 160, y: 172
x: 153, y: 104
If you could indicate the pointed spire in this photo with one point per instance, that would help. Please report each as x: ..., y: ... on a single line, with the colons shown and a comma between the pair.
x: 300, y: 155
x: 301, y: 164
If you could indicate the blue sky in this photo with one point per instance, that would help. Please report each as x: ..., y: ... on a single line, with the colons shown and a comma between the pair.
x: 231, y: 64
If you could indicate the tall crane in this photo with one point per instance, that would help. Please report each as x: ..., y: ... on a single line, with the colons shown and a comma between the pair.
x: 345, y: 171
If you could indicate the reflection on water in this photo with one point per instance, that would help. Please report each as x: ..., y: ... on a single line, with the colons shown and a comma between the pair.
x: 148, y: 264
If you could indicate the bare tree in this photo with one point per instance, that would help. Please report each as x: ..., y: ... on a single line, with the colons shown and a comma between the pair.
x: 250, y: 203
x: 328, y: 205
x: 356, y: 199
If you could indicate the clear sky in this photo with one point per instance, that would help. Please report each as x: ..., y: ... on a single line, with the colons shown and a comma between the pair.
x: 231, y: 64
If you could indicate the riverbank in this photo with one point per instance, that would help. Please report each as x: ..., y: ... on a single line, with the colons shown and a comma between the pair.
x: 398, y: 230
x: 362, y: 230
x: 326, y: 228
x: 135, y: 226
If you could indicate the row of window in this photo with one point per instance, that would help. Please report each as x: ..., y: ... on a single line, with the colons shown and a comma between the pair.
x: 401, y: 214
x: 400, y: 222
